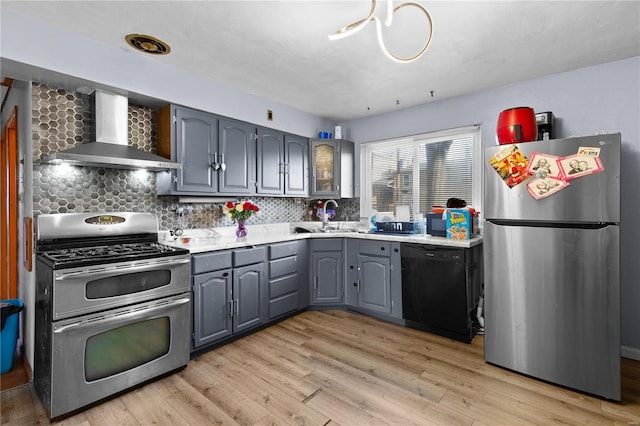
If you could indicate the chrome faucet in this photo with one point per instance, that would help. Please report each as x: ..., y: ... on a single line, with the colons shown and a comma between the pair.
x: 324, y: 216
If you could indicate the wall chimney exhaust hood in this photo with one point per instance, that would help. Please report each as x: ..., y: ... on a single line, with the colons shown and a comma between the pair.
x: 109, y: 145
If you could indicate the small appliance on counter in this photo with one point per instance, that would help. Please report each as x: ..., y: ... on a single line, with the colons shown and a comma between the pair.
x: 517, y: 125
x: 436, y: 225
x: 545, y: 121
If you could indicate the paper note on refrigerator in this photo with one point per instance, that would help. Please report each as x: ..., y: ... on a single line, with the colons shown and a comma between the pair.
x: 511, y: 164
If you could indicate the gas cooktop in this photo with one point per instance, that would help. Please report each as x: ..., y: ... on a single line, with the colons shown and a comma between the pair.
x: 94, y: 255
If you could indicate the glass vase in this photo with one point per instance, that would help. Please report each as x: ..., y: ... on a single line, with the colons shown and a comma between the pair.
x: 241, y: 230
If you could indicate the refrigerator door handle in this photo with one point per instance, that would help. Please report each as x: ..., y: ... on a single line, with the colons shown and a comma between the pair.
x: 542, y: 224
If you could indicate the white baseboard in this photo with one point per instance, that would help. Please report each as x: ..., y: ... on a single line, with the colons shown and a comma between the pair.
x: 629, y: 352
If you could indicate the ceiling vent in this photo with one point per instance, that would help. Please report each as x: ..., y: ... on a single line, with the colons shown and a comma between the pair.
x: 148, y: 44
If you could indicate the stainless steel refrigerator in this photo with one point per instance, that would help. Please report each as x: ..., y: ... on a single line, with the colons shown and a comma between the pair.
x: 552, y: 261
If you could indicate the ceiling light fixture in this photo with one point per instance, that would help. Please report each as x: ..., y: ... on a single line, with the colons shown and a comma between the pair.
x: 358, y: 25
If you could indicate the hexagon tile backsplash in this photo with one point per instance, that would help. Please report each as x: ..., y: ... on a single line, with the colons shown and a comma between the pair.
x: 60, y: 121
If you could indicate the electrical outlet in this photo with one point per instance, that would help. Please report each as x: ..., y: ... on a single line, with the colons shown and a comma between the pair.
x: 269, y: 115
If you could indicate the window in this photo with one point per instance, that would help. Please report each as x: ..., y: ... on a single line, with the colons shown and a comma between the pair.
x: 421, y: 171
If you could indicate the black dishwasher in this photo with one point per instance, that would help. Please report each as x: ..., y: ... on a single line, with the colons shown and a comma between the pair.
x: 441, y: 287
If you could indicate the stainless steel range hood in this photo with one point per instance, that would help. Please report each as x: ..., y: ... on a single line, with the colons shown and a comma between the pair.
x: 109, y: 146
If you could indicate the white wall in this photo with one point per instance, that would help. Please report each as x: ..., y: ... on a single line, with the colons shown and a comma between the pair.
x: 598, y: 99
x: 26, y: 41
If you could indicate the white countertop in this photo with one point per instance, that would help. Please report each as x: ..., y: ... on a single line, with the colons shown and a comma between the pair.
x: 212, y: 239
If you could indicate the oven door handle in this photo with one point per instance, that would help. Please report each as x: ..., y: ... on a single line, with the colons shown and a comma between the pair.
x: 110, y: 270
x: 122, y: 316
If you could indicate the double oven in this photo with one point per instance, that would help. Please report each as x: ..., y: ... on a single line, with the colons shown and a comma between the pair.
x: 113, y: 307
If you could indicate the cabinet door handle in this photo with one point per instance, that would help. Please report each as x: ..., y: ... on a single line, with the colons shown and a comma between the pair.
x: 286, y: 168
x: 231, y: 309
x: 223, y: 166
x: 215, y: 164
x: 358, y: 286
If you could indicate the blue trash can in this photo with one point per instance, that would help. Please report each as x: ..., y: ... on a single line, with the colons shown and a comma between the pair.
x: 9, y: 333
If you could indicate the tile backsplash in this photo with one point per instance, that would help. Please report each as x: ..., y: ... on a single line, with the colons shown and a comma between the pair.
x: 60, y: 120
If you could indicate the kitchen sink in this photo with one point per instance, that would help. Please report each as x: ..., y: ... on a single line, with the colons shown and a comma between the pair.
x: 300, y: 230
x: 331, y: 230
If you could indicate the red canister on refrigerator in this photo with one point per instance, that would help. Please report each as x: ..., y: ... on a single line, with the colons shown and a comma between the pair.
x: 517, y: 125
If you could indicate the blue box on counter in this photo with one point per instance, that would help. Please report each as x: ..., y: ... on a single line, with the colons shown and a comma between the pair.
x: 460, y: 224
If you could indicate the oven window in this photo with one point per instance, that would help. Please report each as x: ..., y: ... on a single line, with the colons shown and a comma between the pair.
x: 127, y: 284
x: 127, y: 347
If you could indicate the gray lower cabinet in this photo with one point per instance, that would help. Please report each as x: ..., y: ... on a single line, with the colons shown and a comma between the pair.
x: 212, y: 296
x: 327, y: 271
x: 374, y: 283
x: 374, y: 277
x: 229, y: 293
x: 288, y: 278
x: 211, y: 293
x: 249, y: 292
x: 283, y: 278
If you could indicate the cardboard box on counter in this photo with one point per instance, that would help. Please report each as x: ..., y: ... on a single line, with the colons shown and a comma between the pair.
x: 461, y: 224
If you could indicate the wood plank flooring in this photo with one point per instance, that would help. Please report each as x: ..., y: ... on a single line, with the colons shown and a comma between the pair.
x: 17, y: 376
x: 342, y: 368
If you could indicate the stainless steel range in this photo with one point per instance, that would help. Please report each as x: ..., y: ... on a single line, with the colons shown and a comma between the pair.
x: 112, y: 307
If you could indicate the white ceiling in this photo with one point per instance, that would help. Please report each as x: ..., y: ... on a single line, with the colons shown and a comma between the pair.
x: 279, y: 50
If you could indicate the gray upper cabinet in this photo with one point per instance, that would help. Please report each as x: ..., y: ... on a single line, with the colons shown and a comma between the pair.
x: 296, y: 177
x: 282, y: 163
x: 271, y: 165
x: 332, y: 168
x: 225, y: 156
x: 191, y: 138
x: 217, y: 155
x: 236, y: 157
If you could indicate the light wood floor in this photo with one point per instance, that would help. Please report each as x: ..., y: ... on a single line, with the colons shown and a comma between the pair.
x: 341, y: 368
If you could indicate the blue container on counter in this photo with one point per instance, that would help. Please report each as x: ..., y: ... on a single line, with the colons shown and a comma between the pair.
x: 9, y: 334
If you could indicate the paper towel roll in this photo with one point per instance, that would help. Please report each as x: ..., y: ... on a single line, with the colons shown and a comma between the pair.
x: 403, y: 214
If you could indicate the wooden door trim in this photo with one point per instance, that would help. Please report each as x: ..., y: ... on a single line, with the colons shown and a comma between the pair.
x: 9, y: 244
